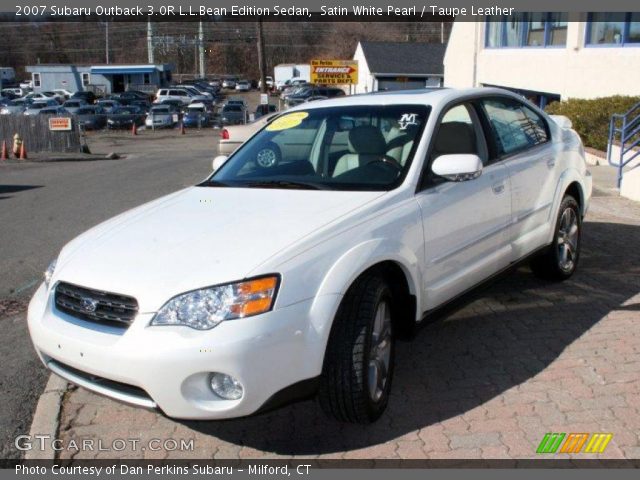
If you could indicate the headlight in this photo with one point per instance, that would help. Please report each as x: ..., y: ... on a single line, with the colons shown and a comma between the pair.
x: 49, y: 273
x: 205, y: 308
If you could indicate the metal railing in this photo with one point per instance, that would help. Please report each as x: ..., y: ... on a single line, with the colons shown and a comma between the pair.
x: 624, y: 127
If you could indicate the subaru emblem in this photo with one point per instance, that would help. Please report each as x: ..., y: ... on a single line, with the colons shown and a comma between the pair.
x: 88, y: 304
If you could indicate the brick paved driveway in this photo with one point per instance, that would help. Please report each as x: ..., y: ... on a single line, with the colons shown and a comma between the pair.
x: 522, y: 358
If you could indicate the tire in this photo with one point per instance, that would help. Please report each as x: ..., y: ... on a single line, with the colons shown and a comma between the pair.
x: 560, y: 260
x: 359, y: 349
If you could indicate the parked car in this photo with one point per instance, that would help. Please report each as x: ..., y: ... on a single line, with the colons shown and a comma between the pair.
x: 215, y: 83
x: 268, y: 81
x: 173, y: 94
x: 237, y: 101
x: 233, y: 114
x: 308, y: 92
x: 85, y: 95
x: 17, y: 106
x: 316, y: 98
x: 108, y: 105
x: 35, y: 107
x: 58, y: 110
x: 92, y: 117
x: 35, y: 96
x: 292, y: 82
x: 243, y: 86
x: 72, y: 106
x: 26, y: 85
x: 197, y: 115
x: 262, y: 110
x: 196, y: 95
x: 13, y: 92
x: 144, y: 105
x: 64, y: 93
x: 321, y: 249
x: 125, y: 117
x: 229, y: 82
x: 162, y: 116
x: 231, y: 137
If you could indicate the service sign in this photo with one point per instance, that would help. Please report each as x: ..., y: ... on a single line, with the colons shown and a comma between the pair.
x: 60, y: 124
x: 334, y: 72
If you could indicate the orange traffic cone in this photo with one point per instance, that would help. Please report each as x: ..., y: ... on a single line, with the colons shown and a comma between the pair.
x: 182, y: 131
x: 23, y: 152
x: 134, y: 129
x: 5, y: 155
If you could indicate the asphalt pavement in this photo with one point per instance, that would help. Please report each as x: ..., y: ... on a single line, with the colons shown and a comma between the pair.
x: 45, y: 205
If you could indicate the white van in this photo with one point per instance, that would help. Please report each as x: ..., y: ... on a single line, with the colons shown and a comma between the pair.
x: 173, y: 94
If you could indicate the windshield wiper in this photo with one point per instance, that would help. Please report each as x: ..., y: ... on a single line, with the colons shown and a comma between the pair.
x: 213, y: 183
x: 285, y: 184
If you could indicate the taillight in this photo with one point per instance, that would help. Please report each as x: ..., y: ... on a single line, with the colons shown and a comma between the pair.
x: 224, y: 134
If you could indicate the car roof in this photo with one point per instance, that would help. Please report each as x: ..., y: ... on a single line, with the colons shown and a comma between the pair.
x: 436, y: 97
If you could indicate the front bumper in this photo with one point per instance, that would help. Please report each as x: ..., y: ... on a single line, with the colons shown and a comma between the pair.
x: 169, y: 367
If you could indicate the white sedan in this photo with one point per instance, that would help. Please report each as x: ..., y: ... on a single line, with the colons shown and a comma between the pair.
x: 295, y: 266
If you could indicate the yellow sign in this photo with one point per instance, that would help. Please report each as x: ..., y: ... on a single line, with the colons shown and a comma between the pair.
x: 60, y: 124
x: 334, y: 72
x: 287, y: 121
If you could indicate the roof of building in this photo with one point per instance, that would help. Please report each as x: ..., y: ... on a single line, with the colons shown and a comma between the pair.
x: 404, y: 58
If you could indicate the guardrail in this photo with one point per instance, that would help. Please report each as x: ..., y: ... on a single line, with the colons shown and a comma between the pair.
x: 624, y: 127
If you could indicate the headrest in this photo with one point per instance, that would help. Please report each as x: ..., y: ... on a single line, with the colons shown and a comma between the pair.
x: 455, y: 137
x: 367, y: 140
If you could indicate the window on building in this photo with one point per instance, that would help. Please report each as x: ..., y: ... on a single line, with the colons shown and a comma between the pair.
x: 86, y: 79
x: 527, y: 30
x: 146, y: 79
x: 613, y: 29
x: 36, y: 80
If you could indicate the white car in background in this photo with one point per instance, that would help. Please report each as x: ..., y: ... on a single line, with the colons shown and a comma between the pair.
x: 232, y: 136
x: 64, y: 93
x: 293, y: 269
x: 243, y: 86
x: 174, y: 94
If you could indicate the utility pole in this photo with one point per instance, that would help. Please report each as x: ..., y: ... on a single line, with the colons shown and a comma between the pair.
x: 106, y: 41
x: 262, y: 64
x: 201, y: 49
x: 150, y: 42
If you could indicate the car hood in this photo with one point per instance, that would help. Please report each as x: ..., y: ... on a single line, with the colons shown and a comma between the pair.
x: 198, y: 237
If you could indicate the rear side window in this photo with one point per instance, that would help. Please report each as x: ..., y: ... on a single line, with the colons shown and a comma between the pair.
x: 515, y: 126
x: 161, y: 92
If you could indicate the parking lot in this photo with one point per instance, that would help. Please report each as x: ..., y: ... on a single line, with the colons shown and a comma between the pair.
x: 488, y: 380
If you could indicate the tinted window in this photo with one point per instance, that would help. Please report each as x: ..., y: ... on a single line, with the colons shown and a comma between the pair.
x: 515, y: 126
x: 232, y: 108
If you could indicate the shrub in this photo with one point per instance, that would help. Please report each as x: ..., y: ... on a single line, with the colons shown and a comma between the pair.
x: 591, y: 118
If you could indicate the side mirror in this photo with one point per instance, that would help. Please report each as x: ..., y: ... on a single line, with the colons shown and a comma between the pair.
x: 458, y: 167
x: 219, y: 161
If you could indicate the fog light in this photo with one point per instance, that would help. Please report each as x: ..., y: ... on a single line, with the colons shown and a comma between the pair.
x: 225, y: 386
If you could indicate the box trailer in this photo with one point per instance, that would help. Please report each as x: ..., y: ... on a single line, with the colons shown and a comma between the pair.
x: 289, y: 71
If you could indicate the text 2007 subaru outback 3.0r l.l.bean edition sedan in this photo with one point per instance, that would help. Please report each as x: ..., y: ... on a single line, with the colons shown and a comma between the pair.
x: 295, y: 266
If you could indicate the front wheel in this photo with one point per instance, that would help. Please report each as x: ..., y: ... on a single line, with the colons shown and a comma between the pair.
x: 560, y: 261
x: 359, y: 361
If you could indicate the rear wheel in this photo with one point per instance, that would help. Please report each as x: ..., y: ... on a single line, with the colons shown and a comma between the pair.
x: 359, y: 361
x: 561, y: 259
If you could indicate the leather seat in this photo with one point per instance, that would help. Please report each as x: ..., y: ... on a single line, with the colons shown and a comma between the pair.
x: 455, y: 137
x: 399, y: 144
x: 366, y: 144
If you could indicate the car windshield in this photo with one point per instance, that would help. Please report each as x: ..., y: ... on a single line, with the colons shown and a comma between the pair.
x: 232, y: 108
x: 38, y: 105
x: 337, y: 148
x: 160, y: 110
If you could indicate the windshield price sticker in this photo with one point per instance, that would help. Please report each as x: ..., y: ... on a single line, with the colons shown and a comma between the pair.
x: 287, y: 121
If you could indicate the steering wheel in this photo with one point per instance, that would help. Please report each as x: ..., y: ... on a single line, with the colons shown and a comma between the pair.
x: 387, y: 160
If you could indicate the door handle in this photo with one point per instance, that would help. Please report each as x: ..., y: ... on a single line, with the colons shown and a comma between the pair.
x: 498, y: 188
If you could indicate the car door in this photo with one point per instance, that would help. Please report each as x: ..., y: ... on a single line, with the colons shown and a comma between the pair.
x: 465, y: 223
x: 522, y: 141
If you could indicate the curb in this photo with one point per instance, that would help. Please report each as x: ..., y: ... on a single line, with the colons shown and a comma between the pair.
x: 46, y: 418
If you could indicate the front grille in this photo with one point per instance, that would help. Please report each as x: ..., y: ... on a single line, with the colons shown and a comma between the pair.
x: 95, y: 305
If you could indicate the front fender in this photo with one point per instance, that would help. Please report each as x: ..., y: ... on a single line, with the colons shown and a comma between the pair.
x: 365, y: 255
x: 569, y: 176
